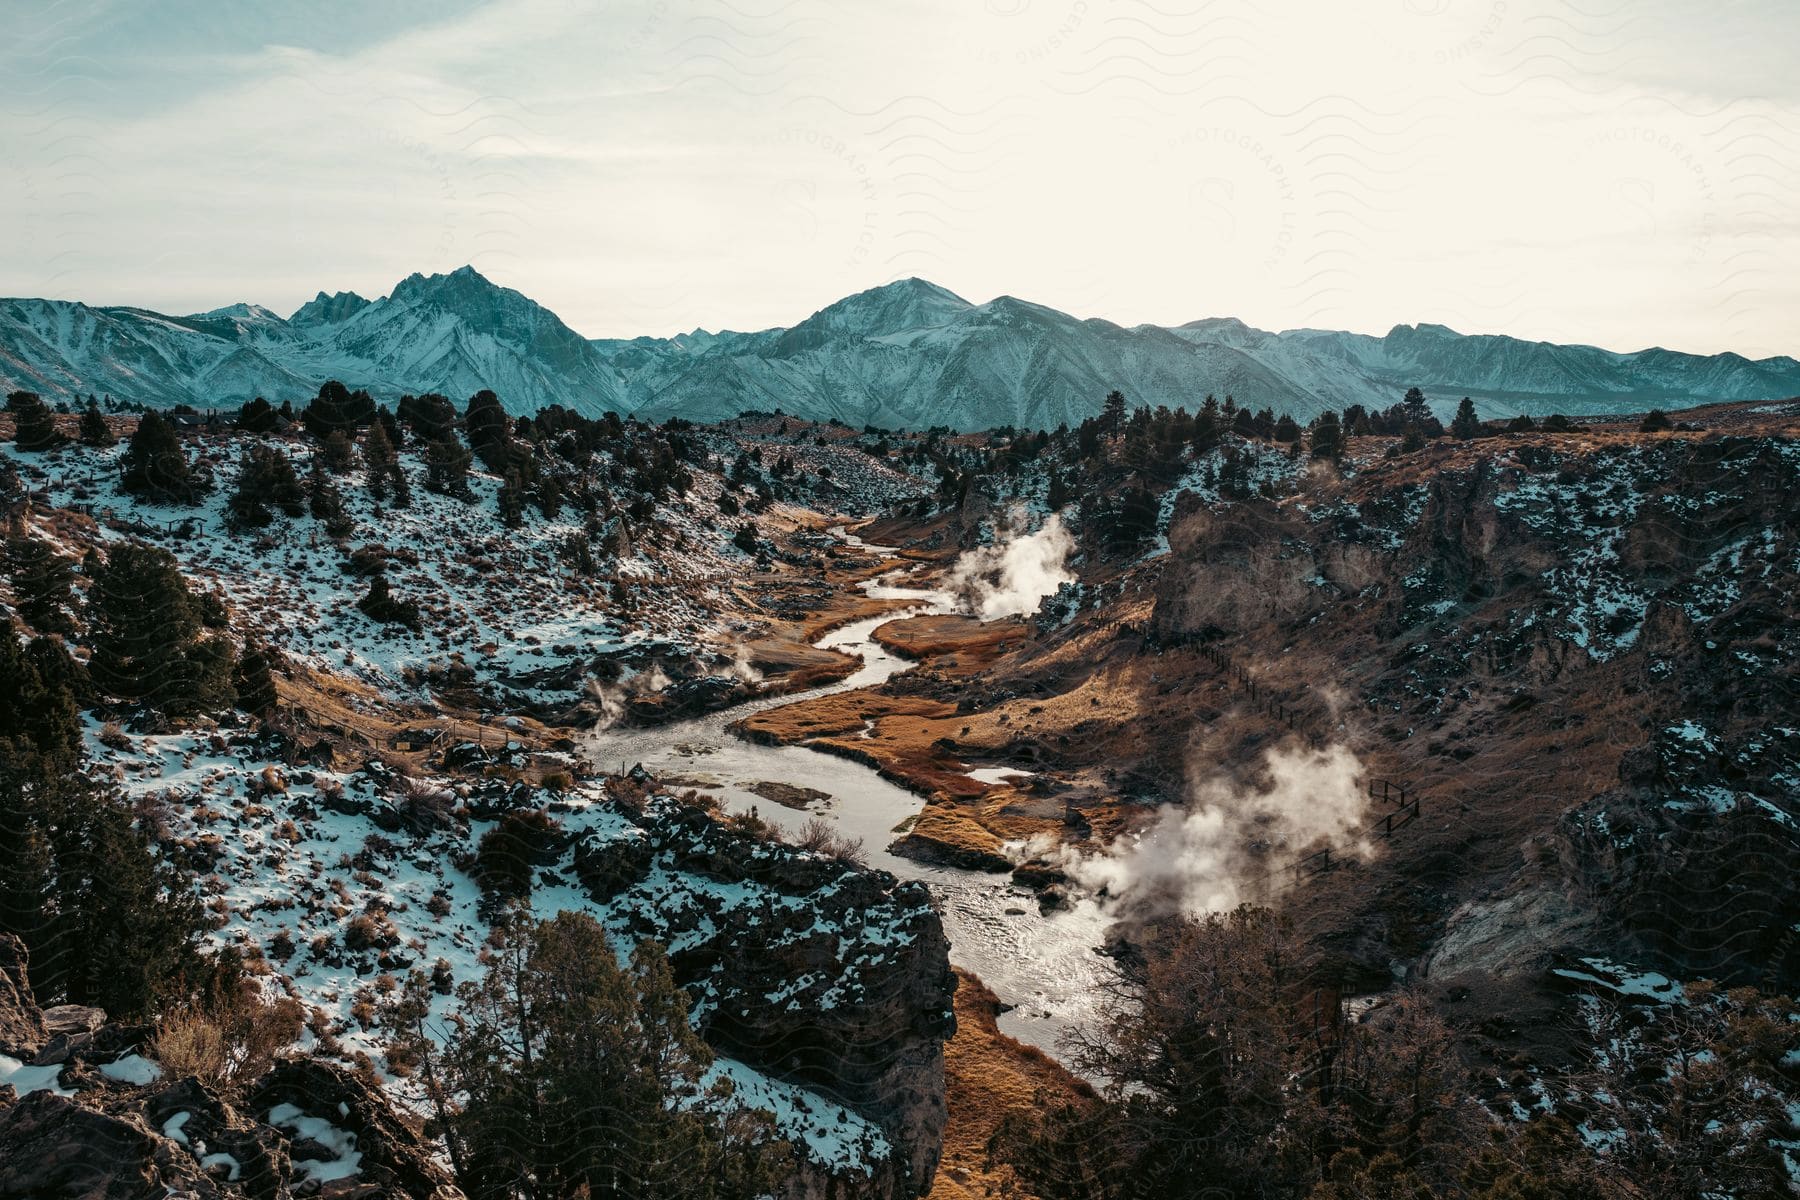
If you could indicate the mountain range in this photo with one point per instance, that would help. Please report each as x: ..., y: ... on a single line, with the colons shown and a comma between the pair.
x: 906, y: 354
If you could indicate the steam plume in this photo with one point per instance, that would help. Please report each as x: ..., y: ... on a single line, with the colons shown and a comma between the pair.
x: 1233, y: 844
x: 1013, y: 577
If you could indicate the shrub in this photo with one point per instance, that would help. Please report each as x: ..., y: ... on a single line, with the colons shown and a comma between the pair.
x: 820, y: 837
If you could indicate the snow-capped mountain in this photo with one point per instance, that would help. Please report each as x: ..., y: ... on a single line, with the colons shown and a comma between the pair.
x: 908, y: 353
x: 453, y: 334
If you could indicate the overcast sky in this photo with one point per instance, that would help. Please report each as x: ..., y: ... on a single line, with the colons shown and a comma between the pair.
x: 1621, y: 172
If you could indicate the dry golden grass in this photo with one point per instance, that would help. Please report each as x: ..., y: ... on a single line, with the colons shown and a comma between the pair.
x: 972, y: 642
x: 988, y: 1076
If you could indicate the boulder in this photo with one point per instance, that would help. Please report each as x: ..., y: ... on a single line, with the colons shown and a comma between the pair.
x: 394, y: 1159
x: 193, y: 1115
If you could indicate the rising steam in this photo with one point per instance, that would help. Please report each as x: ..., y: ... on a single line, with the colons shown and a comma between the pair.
x: 1013, y: 577
x: 1234, y: 844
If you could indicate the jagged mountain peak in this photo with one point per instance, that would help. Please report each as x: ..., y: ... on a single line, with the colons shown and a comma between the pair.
x: 905, y: 304
x: 1424, y: 329
x: 240, y: 311
x: 462, y: 283
x: 333, y: 309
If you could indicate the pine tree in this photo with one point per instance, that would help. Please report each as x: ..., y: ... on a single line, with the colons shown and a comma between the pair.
x: 147, y: 643
x: 41, y: 582
x: 1413, y: 405
x: 1206, y: 427
x: 447, y: 468
x: 265, y: 477
x: 486, y: 424
x: 431, y: 417
x: 570, y: 1074
x: 257, y: 416
x: 380, y: 604
x: 254, y: 682
x: 155, y: 468
x: 327, y: 502
x: 103, y: 920
x: 379, y: 460
x: 34, y: 425
x: 94, y: 429
x: 1465, y: 424
x: 39, y: 716
x: 1112, y: 413
x: 337, y: 409
x: 337, y: 452
x: 401, y: 485
x: 1328, y: 437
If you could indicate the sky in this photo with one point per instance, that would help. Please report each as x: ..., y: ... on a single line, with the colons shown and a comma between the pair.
x: 1615, y: 172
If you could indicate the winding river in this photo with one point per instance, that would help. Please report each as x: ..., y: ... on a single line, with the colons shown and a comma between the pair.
x: 1044, y: 965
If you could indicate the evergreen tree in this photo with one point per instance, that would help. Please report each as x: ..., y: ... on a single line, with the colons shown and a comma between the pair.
x: 379, y: 460
x: 254, y: 682
x: 547, y: 494
x: 41, y: 582
x: 570, y: 1074
x: 447, y: 468
x: 486, y: 424
x: 103, y: 920
x: 1465, y: 424
x: 1206, y: 427
x: 337, y: 452
x: 39, y: 718
x: 402, y: 487
x: 1112, y: 413
x: 1328, y: 437
x: 390, y: 426
x: 380, y: 604
x: 327, y: 502
x: 1413, y: 406
x: 1287, y: 430
x: 265, y: 477
x: 1656, y: 421
x: 147, y: 643
x: 155, y: 468
x: 94, y: 429
x: 257, y: 416
x: 34, y: 425
x: 337, y: 409
x: 431, y: 417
